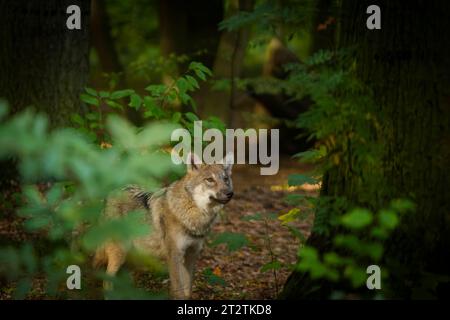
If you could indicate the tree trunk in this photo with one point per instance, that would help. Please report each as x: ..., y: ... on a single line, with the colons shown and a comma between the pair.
x: 102, y: 40
x: 43, y: 63
x: 103, y: 44
x: 190, y: 28
x: 406, y: 64
x: 324, y: 26
x: 227, y: 65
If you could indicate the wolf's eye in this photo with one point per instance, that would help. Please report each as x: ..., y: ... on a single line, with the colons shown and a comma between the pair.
x: 209, y: 180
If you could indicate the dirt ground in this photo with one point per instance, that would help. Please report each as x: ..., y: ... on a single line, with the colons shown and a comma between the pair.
x: 269, y: 238
x: 239, y: 272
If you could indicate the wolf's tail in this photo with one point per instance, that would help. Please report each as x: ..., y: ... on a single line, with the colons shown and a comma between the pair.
x: 139, y: 194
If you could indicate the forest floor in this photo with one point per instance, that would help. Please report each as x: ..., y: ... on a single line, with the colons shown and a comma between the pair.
x: 269, y: 239
x: 221, y: 273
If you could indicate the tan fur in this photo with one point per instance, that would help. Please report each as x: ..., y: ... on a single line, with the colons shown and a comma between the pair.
x: 180, y: 215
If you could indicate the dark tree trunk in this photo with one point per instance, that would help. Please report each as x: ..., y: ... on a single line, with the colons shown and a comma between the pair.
x: 324, y: 26
x: 227, y: 65
x: 103, y: 44
x: 102, y: 40
x: 43, y: 63
x: 190, y: 27
x: 406, y: 63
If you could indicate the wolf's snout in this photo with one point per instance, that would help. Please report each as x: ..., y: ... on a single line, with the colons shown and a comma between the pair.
x: 223, y: 197
x: 229, y: 194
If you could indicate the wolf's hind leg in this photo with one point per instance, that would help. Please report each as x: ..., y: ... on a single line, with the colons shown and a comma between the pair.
x: 115, y: 256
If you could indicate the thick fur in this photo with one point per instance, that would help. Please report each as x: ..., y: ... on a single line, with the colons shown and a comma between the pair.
x: 180, y: 216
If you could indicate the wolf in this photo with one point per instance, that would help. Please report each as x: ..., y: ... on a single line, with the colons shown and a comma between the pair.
x: 180, y: 216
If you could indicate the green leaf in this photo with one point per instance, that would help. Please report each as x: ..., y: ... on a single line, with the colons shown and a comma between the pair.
x: 28, y: 258
x: 135, y: 101
x: 199, y: 67
x: 91, y: 91
x: 156, y: 89
x: 311, y: 156
x: 388, y: 219
x: 357, y: 218
x: 92, y: 116
x: 22, y: 288
x: 37, y: 222
x: 295, y: 199
x: 33, y: 195
x: 193, y: 104
x: 297, y: 233
x: 124, y: 228
x: 274, y: 265
x: 122, y: 132
x: 191, y: 116
x: 121, y: 94
x: 185, y: 98
x: 182, y: 85
x: 89, y: 99
x: 192, y: 81
x: 308, y: 253
x: 114, y: 104
x: 356, y: 275
x: 176, y: 117
x: 200, y: 74
x: 104, y: 94
x: 153, y: 110
x: 234, y: 241
x: 154, y: 135
x: 402, y: 205
x: 290, y: 216
x: 206, y: 70
x: 213, y: 279
x: 54, y: 194
x: 77, y: 119
x: 299, y: 179
x: 149, y: 102
x: 332, y: 258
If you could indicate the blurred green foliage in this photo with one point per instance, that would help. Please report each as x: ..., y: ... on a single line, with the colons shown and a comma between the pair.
x: 81, y: 177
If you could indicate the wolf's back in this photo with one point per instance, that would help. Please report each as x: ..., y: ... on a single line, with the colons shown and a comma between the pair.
x: 130, y: 198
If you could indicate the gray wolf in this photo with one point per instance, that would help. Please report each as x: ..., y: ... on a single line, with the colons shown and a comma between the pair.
x: 180, y: 217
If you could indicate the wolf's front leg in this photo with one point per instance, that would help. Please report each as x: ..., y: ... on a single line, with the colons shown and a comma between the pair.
x: 182, y: 259
x: 177, y: 273
x: 190, y: 259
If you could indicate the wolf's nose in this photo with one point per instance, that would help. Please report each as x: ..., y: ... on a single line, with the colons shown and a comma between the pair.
x: 229, y: 194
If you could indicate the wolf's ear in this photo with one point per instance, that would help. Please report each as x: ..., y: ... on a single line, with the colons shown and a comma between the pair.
x: 193, y: 162
x: 228, y: 162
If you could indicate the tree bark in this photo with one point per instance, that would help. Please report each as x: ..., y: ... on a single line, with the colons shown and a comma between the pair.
x: 324, y: 26
x: 102, y: 40
x: 103, y: 43
x: 227, y: 65
x: 190, y: 28
x: 43, y: 63
x: 406, y: 65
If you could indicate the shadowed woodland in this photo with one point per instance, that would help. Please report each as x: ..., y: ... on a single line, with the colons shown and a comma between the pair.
x: 364, y: 120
